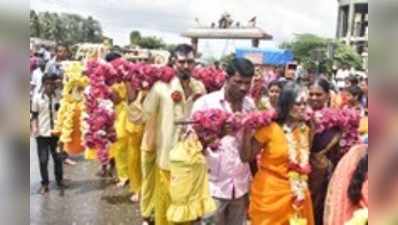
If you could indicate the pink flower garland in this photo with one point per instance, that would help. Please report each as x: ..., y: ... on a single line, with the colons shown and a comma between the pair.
x: 100, y: 97
x: 100, y: 109
x: 211, y: 125
x: 350, y: 124
x: 212, y: 78
x: 256, y: 120
x: 143, y: 76
x: 347, y: 120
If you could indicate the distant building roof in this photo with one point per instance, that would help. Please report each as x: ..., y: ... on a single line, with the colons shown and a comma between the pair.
x: 40, y: 41
x: 347, y: 2
x: 228, y: 33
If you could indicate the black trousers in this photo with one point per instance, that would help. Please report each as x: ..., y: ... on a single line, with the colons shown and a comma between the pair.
x: 46, y: 145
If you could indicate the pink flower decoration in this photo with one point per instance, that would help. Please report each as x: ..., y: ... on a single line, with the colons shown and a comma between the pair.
x: 101, y: 115
x: 177, y: 96
x: 212, y: 78
x: 143, y: 76
x: 255, y: 120
x: 211, y: 125
x: 347, y: 120
x: 166, y: 74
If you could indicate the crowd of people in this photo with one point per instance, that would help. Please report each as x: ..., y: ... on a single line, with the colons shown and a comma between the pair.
x: 292, y: 170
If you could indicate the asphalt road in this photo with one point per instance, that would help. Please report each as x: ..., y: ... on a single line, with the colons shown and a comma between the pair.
x: 88, y: 200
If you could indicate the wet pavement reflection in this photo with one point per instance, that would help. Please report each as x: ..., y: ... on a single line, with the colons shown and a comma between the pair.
x: 87, y: 200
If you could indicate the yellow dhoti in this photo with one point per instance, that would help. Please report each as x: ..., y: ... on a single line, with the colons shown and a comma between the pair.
x: 134, y: 157
x: 147, y: 204
x: 120, y: 152
x: 162, y: 196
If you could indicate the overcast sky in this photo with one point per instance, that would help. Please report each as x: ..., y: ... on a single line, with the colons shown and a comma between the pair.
x: 169, y: 18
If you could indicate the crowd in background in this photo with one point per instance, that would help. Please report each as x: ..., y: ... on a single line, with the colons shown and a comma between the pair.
x: 258, y: 175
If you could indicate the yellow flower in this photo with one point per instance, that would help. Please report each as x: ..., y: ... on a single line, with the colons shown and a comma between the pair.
x: 294, y: 175
x: 304, y: 177
x: 296, y: 220
x: 74, y: 80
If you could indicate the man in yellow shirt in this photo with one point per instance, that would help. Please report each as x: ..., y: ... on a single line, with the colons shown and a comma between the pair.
x: 167, y: 103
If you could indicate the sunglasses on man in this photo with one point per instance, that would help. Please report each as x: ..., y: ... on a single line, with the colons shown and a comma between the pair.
x: 186, y: 61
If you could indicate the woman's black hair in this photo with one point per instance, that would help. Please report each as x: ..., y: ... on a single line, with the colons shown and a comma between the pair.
x: 112, y: 56
x: 323, y: 83
x: 47, y: 77
x: 240, y: 65
x: 356, y: 92
x: 354, y: 80
x: 275, y: 83
x: 358, y: 178
x: 286, y: 101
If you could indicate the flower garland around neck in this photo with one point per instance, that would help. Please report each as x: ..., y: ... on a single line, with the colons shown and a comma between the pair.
x: 299, y: 169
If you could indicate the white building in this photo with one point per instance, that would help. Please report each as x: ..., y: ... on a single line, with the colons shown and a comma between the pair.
x: 353, y: 25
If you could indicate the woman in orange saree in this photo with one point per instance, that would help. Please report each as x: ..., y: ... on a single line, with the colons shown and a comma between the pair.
x: 279, y: 193
x: 348, y: 188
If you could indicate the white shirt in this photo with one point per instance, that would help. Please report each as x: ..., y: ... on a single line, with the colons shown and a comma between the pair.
x: 229, y: 177
x: 37, y: 76
x: 46, y: 109
x: 341, y: 76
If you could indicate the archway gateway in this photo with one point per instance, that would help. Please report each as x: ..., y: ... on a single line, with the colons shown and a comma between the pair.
x: 255, y: 34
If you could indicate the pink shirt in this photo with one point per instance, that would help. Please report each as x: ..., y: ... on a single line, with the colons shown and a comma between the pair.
x: 229, y: 177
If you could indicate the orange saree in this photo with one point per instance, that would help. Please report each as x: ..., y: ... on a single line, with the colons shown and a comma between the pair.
x: 271, y: 194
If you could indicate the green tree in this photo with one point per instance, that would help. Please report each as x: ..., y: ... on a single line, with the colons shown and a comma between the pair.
x: 66, y: 28
x: 152, y: 43
x: 91, y: 30
x: 148, y: 42
x: 74, y: 27
x: 58, y: 29
x: 345, y: 53
x: 170, y: 47
x: 46, y: 23
x: 51, y: 27
x: 135, y: 38
x: 308, y: 48
x: 34, y: 24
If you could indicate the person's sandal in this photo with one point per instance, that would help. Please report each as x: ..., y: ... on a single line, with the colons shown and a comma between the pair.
x: 70, y: 162
x: 44, y: 190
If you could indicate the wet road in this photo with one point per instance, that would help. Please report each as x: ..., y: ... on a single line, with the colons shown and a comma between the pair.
x: 88, y: 200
